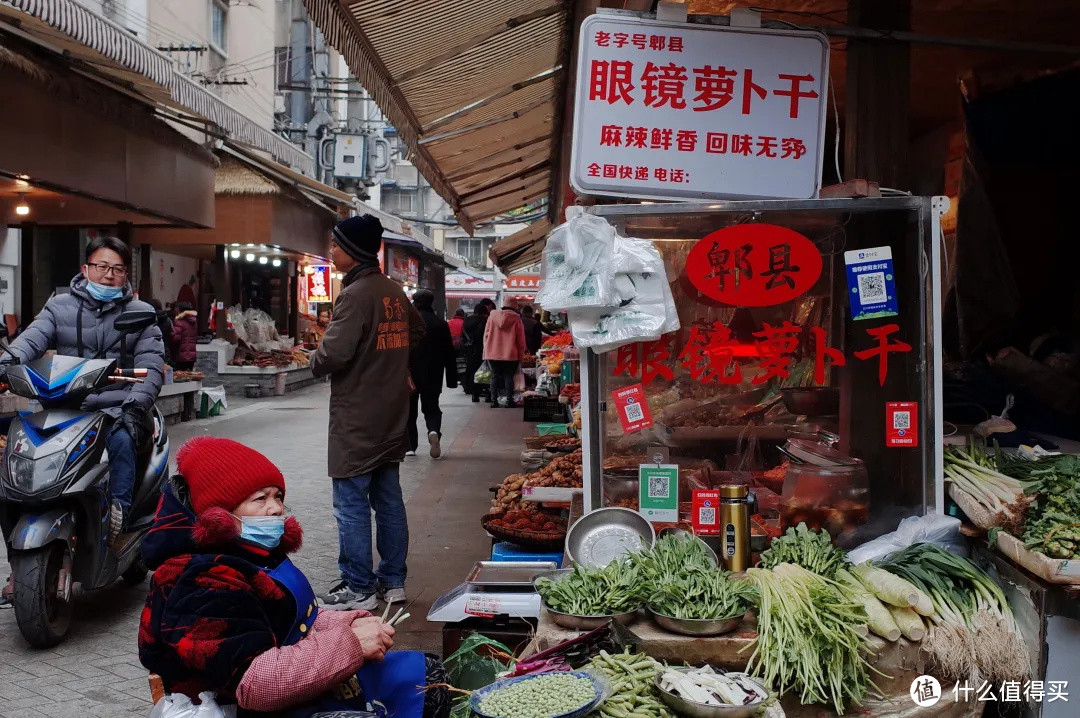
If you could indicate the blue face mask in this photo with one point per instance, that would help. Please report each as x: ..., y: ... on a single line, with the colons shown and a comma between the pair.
x: 265, y: 531
x: 102, y: 293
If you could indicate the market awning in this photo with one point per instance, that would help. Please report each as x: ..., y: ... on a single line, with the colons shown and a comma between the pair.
x: 102, y: 48
x: 522, y: 248
x: 474, y: 88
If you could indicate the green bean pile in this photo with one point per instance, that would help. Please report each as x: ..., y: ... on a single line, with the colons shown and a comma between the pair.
x: 542, y: 697
x: 703, y: 594
x: 633, y: 694
x: 613, y: 589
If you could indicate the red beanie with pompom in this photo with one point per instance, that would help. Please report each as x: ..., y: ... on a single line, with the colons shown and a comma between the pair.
x: 222, y: 472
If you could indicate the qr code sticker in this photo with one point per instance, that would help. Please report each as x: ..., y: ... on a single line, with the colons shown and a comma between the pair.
x: 872, y: 287
x: 659, y: 488
x: 901, y: 420
x: 634, y: 413
x: 707, y: 516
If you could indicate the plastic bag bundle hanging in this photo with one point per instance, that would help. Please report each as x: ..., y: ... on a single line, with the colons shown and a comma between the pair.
x: 642, y: 306
x: 577, y: 269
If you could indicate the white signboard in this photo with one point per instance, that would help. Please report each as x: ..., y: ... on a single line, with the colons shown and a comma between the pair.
x: 679, y: 111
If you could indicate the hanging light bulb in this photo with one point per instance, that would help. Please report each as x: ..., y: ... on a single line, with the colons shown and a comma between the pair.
x: 263, y: 260
x: 22, y: 208
x: 249, y: 257
x: 235, y: 254
x: 276, y: 262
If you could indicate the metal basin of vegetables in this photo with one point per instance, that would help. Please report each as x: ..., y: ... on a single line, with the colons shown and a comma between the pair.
x: 697, y: 626
x: 580, y: 623
x: 691, y: 709
x: 690, y: 536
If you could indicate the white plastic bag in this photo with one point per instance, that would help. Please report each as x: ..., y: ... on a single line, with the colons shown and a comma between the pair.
x: 178, y: 705
x: 576, y: 270
x: 642, y: 308
x: 943, y: 531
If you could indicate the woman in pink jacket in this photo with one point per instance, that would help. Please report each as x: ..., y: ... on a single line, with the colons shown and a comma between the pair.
x: 504, y: 345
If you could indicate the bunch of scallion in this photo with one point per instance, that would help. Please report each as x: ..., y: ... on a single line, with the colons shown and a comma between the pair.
x: 810, y: 637
x: 1001, y: 495
x: 973, y: 633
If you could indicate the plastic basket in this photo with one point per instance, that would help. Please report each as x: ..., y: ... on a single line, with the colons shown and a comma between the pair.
x: 543, y: 408
x: 599, y: 688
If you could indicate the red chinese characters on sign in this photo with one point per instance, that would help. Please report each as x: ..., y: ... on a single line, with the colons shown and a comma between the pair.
x: 754, y: 265
x: 707, y: 88
x: 712, y: 356
x: 714, y: 143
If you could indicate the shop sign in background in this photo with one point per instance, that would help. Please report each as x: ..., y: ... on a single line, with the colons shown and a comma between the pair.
x: 403, y: 268
x: 670, y: 110
x: 754, y: 265
x: 318, y: 284
x: 527, y: 282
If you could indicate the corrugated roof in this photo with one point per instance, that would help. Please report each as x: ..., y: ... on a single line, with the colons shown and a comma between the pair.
x: 473, y: 87
x: 521, y: 249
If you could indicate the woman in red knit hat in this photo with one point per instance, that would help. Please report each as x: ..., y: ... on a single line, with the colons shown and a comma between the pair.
x: 229, y: 613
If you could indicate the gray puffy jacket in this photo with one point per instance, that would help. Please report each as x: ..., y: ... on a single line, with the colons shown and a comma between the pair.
x: 76, y: 324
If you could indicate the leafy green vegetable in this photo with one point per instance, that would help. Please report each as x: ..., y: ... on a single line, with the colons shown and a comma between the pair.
x: 813, y: 550
x: 613, y: 589
x: 1053, y: 525
x: 698, y: 593
x: 670, y: 556
x: 808, y: 637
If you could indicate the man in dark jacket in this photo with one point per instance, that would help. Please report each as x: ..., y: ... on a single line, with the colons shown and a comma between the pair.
x: 365, y: 352
x: 429, y: 360
x: 81, y: 324
x: 472, y: 339
x: 534, y: 329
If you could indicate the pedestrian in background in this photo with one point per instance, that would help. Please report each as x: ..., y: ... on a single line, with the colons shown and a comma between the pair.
x: 457, y: 325
x: 185, y: 336
x: 165, y: 326
x: 472, y: 339
x: 534, y: 329
x: 429, y: 360
x: 504, y: 345
x: 365, y: 352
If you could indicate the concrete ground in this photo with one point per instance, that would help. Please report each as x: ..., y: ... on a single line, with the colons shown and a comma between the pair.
x: 96, y: 671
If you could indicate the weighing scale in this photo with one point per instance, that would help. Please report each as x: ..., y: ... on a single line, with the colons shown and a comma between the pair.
x: 497, y: 600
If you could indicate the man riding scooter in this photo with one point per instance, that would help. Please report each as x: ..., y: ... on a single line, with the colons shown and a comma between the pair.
x: 81, y: 324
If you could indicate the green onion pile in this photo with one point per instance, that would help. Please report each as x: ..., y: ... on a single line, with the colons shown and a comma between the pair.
x: 974, y: 630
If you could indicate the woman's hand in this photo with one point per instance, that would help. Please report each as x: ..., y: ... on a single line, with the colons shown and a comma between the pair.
x: 376, y: 637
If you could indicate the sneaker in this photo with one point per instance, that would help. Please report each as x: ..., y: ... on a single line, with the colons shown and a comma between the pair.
x: 436, y: 448
x: 116, y: 520
x: 505, y: 403
x: 410, y: 453
x: 392, y: 595
x: 343, y: 598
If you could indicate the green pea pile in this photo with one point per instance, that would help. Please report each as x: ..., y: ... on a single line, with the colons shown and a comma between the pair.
x: 541, y: 697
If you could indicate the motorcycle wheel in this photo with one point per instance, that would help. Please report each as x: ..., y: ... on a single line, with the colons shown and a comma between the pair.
x: 43, y: 618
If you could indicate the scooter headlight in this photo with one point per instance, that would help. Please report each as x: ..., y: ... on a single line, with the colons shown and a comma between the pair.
x: 30, y: 476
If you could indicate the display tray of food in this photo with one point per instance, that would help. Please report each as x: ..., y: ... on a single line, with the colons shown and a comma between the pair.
x: 565, y: 445
x: 527, y: 528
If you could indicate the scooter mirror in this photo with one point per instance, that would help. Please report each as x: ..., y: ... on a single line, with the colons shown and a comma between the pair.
x: 136, y: 321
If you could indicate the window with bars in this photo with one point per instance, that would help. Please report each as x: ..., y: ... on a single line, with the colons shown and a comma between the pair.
x: 474, y: 249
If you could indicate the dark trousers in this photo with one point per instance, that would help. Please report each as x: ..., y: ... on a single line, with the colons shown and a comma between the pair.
x: 122, y: 453
x: 184, y: 365
x: 428, y: 401
x: 502, y: 380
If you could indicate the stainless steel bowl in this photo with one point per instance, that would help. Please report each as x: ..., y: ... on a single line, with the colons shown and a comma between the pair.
x: 690, y: 709
x: 588, y: 623
x: 696, y: 626
x: 599, y: 537
x: 580, y: 623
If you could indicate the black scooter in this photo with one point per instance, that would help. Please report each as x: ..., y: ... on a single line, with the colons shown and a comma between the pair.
x: 54, y: 489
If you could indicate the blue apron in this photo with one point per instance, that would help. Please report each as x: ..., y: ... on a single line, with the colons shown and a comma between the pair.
x: 390, y: 688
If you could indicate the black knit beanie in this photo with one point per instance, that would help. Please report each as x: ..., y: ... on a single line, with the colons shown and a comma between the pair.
x: 360, y: 237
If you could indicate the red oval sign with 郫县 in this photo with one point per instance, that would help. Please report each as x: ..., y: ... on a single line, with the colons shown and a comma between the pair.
x: 754, y: 265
